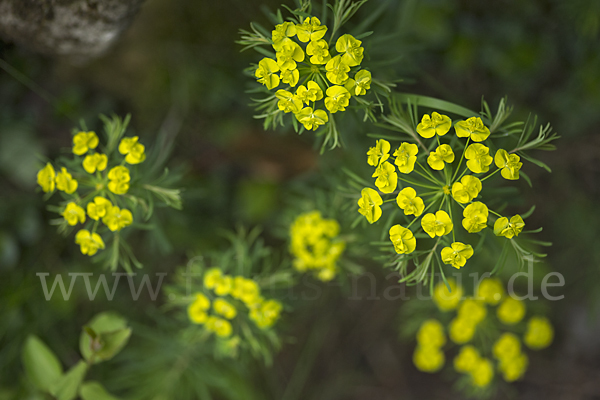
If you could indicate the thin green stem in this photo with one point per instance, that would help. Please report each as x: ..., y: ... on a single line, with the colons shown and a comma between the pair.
x: 461, y: 158
x: 490, y: 175
x: 433, y: 178
x: 451, y: 219
x: 494, y: 212
x: 417, y: 184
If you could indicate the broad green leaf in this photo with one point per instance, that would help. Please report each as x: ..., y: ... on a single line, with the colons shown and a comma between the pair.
x: 41, y: 365
x: 104, y: 337
x: 67, y: 386
x: 94, y: 391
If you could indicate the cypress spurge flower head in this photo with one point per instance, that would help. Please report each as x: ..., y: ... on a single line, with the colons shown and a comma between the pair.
x: 403, y: 239
x: 472, y: 128
x: 479, y: 159
x: 315, y: 245
x: 436, y: 124
x: 378, y: 154
x: 406, y: 156
x: 509, y: 228
x: 457, y: 254
x: 304, y: 57
x: 96, y: 182
x: 508, y: 163
x: 369, y: 205
x: 46, y: 178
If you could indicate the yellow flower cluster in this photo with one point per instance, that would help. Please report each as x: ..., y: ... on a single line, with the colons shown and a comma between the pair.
x: 416, y: 197
x: 309, y: 61
x: 428, y: 356
x: 116, y: 181
x: 471, y: 311
x: 231, y: 293
x: 315, y: 245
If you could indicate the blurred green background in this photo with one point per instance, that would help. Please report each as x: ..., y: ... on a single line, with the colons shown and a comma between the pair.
x: 178, y: 70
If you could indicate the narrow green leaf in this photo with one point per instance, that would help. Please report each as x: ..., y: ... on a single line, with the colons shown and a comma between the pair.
x: 431, y: 102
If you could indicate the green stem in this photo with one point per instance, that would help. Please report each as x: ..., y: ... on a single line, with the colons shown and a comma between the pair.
x: 433, y: 178
x: 490, y: 175
x: 451, y: 219
x: 417, y: 184
x: 461, y: 158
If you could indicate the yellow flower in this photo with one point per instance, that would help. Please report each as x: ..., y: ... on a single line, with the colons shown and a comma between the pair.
x: 65, y: 182
x: 219, y: 326
x: 73, y: 214
x: 444, y: 299
x: 311, y: 119
x: 473, y: 128
x: 134, y: 151
x: 443, y: 154
x: 509, y: 163
x: 360, y: 84
x: 369, y: 203
x: 351, y: 49
x: 266, y: 314
x: 461, y: 330
x: 288, y: 102
x: 119, y: 179
x: 379, y: 153
x: 287, y: 56
x: 539, y: 333
x: 438, y: 224
x: 409, y: 202
x: 431, y: 334
x: 467, y: 359
x: 245, y: 290
x: 224, y: 308
x: 478, y: 158
x: 281, y: 33
x: 476, y: 215
x: 93, y: 162
x: 490, y: 290
x: 457, y: 255
x: 483, y: 373
x: 403, y: 239
x: 319, y: 52
x: 436, y: 124
x: 507, y: 347
x: 290, y: 76
x: 337, y: 71
x: 428, y: 359
x: 514, y: 368
x: 406, y: 156
x: 117, y: 218
x: 90, y: 243
x: 472, y: 310
x: 224, y: 285
x: 311, y: 92
x: 197, y: 309
x: 84, y: 141
x: 45, y: 178
x: 467, y: 189
x: 266, y: 73
x: 337, y: 99
x: 310, y: 30
x: 98, y: 208
x: 387, y: 178
x: 211, y: 277
x: 509, y: 229
x: 511, y: 311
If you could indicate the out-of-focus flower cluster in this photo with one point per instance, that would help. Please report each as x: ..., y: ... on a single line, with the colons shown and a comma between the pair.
x: 227, y: 303
x: 485, y: 333
x: 315, y: 245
